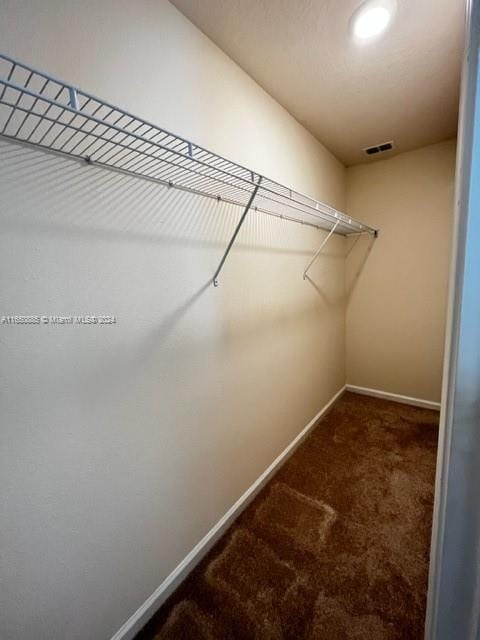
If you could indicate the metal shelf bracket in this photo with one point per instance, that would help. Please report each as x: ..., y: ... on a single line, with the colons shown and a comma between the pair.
x: 73, y: 98
x: 235, y: 233
x: 319, y: 250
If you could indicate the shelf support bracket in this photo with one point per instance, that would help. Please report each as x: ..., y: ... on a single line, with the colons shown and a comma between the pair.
x: 73, y: 98
x: 320, y: 248
x: 235, y: 233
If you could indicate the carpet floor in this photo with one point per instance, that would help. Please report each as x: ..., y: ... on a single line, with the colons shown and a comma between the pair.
x: 335, y: 547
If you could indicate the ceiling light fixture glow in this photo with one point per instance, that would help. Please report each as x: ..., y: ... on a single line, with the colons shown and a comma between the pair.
x: 372, y: 19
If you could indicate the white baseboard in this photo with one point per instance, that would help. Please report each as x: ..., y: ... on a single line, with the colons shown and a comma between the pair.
x: 395, y: 397
x: 143, y: 614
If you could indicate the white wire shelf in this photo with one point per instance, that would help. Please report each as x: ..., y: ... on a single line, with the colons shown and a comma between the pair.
x: 40, y: 110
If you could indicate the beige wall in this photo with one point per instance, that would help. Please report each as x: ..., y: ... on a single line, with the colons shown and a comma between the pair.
x: 122, y: 446
x: 397, y: 299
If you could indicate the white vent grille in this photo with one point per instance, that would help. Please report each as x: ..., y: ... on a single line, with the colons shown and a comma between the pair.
x: 379, y: 148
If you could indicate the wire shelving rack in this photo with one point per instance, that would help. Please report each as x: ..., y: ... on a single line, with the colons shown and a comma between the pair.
x: 40, y: 110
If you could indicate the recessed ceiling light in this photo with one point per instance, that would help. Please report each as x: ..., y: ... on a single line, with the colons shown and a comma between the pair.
x: 372, y: 18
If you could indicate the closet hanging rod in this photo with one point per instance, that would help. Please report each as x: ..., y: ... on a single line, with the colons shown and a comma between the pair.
x: 40, y: 110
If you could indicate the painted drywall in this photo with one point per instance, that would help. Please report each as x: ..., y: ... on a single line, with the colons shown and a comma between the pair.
x: 122, y: 445
x: 397, y: 288
x: 350, y: 94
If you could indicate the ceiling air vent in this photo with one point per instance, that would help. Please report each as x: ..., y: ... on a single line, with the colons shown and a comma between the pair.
x: 378, y: 148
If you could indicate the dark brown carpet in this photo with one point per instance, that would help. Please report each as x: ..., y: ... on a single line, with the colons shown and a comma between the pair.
x: 334, y: 548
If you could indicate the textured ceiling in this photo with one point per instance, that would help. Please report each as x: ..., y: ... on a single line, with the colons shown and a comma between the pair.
x: 403, y: 86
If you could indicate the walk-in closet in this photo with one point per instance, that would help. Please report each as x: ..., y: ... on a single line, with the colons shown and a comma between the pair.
x: 237, y: 311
